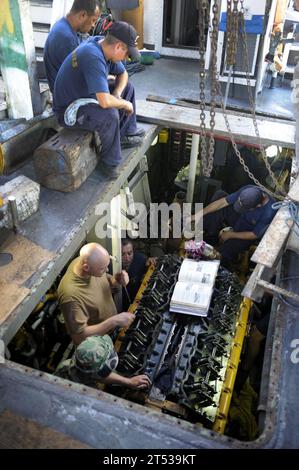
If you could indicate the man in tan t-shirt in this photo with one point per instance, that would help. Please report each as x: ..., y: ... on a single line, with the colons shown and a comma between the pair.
x: 85, y: 295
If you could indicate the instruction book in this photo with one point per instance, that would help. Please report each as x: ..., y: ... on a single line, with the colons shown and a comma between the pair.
x: 193, y: 291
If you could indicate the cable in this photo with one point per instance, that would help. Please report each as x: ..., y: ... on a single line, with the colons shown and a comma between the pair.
x: 103, y: 24
x: 134, y: 67
x: 286, y: 302
x: 293, y: 210
x: 101, y: 28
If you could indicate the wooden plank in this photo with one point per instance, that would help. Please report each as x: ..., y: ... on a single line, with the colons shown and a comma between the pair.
x: 179, y: 117
x: 269, y: 247
x: 273, y: 242
x: 230, y: 109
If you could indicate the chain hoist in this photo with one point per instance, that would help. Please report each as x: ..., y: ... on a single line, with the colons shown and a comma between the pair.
x: 232, y: 16
x: 229, y: 29
x: 203, y: 5
x: 207, y: 169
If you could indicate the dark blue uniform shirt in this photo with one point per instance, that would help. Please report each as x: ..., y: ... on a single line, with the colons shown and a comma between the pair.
x: 61, y: 41
x: 256, y: 220
x: 83, y: 74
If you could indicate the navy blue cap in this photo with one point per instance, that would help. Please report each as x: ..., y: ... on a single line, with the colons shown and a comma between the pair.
x: 248, y: 199
x: 128, y: 35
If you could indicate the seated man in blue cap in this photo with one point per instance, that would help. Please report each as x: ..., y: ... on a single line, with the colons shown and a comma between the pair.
x: 95, y: 360
x: 85, y: 99
x: 246, y: 213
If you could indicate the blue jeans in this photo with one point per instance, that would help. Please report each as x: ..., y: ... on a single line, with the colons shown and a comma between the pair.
x: 110, y: 124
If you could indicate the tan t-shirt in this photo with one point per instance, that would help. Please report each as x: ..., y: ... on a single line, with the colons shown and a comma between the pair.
x: 84, y: 301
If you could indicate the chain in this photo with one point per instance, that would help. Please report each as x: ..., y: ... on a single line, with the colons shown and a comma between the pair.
x: 237, y: 152
x: 235, y: 31
x: 252, y: 104
x: 202, y: 81
x: 215, y: 88
x: 232, y: 31
x: 229, y: 28
x: 213, y: 93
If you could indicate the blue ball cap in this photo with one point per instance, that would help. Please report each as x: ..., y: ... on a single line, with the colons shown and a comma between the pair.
x: 248, y: 199
x: 127, y: 34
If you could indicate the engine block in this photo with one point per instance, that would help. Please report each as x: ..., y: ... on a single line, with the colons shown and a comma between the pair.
x: 185, y: 356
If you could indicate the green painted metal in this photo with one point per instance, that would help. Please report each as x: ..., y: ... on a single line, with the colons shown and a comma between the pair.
x: 12, y: 51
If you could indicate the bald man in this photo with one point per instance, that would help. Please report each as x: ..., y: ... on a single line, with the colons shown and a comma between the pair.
x: 85, y: 295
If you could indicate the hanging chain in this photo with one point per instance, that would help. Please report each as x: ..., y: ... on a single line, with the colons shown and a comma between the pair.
x: 213, y: 89
x: 237, y: 152
x: 232, y: 31
x: 229, y: 29
x: 251, y: 101
x: 202, y: 81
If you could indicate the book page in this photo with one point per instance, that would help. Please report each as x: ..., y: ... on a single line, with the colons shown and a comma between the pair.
x: 191, y: 295
x: 204, y: 272
x: 189, y: 311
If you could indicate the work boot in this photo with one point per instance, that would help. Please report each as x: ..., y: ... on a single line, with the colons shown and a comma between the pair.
x: 129, y: 141
x: 108, y: 171
x: 140, y: 132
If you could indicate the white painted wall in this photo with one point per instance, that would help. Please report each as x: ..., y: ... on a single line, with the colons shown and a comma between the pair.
x: 59, y: 9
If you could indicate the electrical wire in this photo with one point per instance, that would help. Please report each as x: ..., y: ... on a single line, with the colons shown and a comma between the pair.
x: 101, y: 28
x: 293, y: 210
x: 134, y: 67
x: 103, y: 25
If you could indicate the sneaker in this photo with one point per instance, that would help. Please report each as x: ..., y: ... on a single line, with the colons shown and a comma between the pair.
x: 129, y: 141
x: 108, y: 171
x: 140, y: 132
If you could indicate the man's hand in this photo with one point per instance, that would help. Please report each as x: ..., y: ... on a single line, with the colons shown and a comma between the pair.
x: 225, y: 235
x: 150, y: 261
x: 140, y: 382
x: 122, y: 278
x: 128, y: 107
x: 230, y: 234
x: 124, y: 319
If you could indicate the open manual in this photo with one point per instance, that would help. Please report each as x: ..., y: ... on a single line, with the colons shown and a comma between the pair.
x: 193, y: 291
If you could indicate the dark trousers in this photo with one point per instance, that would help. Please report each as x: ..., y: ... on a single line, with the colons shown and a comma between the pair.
x: 213, y: 223
x: 110, y: 124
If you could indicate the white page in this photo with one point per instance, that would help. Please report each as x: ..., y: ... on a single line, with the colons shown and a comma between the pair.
x: 204, y: 272
x: 192, y: 294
